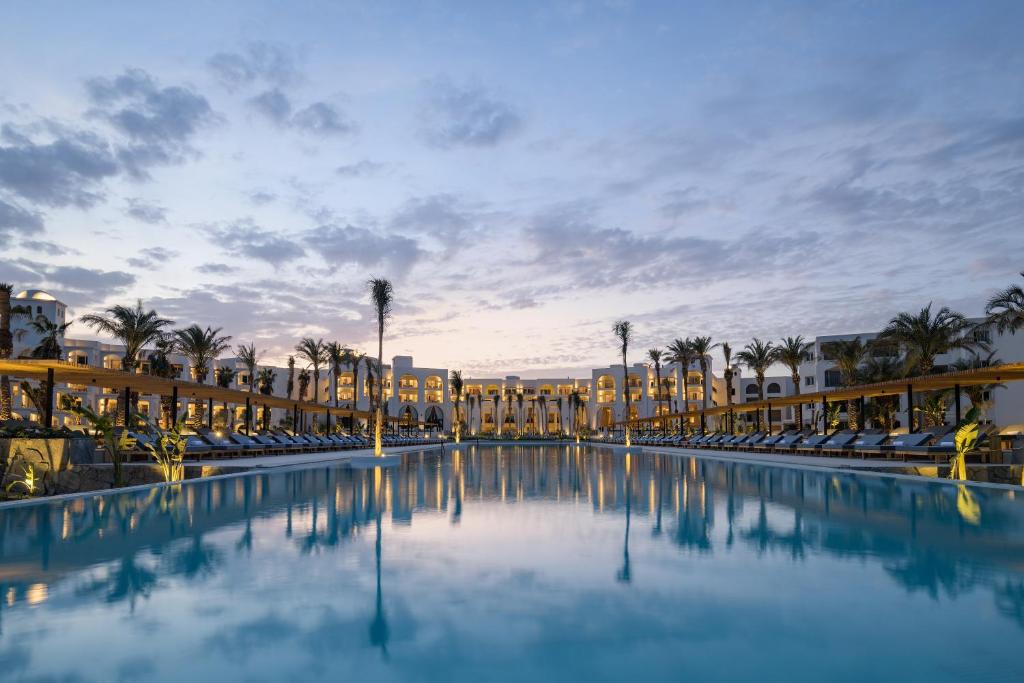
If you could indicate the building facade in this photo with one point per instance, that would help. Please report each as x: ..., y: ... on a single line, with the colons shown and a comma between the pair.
x: 510, y: 404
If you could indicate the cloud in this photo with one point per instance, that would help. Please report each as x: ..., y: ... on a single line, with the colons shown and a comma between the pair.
x: 15, y: 218
x: 152, y: 257
x: 342, y: 245
x: 215, y: 269
x: 75, y: 285
x: 319, y: 118
x: 65, y: 171
x: 322, y: 118
x: 258, y: 61
x: 158, y: 122
x: 274, y: 105
x: 246, y: 238
x: 360, y: 169
x: 50, y: 248
x: 261, y: 197
x: 467, y: 116
x: 146, y: 212
x: 567, y: 239
x: 441, y: 216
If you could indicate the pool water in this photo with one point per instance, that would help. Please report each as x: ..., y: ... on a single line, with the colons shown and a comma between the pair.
x: 548, y: 563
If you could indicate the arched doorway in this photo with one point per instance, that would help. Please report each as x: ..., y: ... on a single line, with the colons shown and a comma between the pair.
x: 434, y: 418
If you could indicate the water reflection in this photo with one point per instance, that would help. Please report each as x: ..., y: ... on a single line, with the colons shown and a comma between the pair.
x: 248, y: 548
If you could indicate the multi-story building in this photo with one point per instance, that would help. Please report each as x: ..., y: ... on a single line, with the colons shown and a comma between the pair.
x: 501, y: 405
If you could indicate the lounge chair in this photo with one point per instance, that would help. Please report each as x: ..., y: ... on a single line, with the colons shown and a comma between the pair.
x: 811, y: 444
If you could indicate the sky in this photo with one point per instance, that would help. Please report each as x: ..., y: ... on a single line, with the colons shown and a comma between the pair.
x: 526, y: 173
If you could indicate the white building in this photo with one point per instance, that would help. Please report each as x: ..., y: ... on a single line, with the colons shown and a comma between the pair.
x: 498, y: 405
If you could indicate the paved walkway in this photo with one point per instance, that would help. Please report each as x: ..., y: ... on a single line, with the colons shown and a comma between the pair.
x: 305, y: 458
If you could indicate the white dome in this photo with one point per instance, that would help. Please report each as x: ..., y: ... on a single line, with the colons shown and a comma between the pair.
x: 35, y: 295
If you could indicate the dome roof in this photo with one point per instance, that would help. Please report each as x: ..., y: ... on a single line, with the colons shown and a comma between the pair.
x: 35, y: 295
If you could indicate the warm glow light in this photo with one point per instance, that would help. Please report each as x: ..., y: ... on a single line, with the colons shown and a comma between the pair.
x: 36, y: 593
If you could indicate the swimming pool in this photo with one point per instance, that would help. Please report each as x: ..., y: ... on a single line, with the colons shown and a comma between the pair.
x: 547, y: 563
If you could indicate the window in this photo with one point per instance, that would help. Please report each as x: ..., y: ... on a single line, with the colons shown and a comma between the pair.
x: 808, y: 381
x: 774, y: 388
x: 832, y: 378
x: 751, y: 390
x: 983, y: 336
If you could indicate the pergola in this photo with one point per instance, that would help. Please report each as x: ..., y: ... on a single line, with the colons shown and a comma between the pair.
x: 51, y: 372
x: 994, y: 374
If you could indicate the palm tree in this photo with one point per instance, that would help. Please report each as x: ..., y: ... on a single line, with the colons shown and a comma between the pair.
x: 848, y: 354
x: 313, y: 352
x: 354, y: 359
x: 132, y: 327
x: 542, y: 411
x: 336, y: 355
x: 303, y: 383
x: 497, y: 409
x: 50, y: 333
x: 791, y: 352
x: 727, y: 372
x: 1006, y: 309
x: 7, y: 344
x: 656, y: 356
x: 623, y: 331
x: 455, y: 386
x: 470, y: 401
x: 224, y: 375
x: 160, y: 366
x: 681, y: 352
x: 701, y: 348
x: 881, y: 368
x: 758, y: 356
x: 924, y: 337
x: 382, y: 296
x: 266, y: 379
x: 250, y: 358
x: 291, y: 375
x: 980, y: 395
x: 201, y: 347
x: 519, y: 413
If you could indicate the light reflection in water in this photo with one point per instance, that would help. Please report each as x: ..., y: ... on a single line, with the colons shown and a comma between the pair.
x: 518, y: 563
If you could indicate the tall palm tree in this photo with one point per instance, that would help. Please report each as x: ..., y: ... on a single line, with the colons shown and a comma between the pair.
x: 470, y: 402
x: 701, y: 348
x: 1006, y: 309
x: 455, y: 387
x: 560, y: 402
x: 201, y: 347
x: 520, y: 426
x: 250, y: 359
x: 680, y: 351
x: 7, y: 344
x: 314, y: 352
x: 848, y: 354
x: 791, y: 352
x: 224, y: 375
x: 727, y: 372
x: 132, y: 327
x: 656, y: 356
x: 924, y: 337
x: 354, y: 359
x: 623, y: 331
x: 382, y: 297
x: 336, y: 355
x: 497, y: 410
x: 758, y: 356
x: 291, y: 376
x: 50, y: 333
x: 542, y: 413
x: 265, y: 381
x: 304, y: 378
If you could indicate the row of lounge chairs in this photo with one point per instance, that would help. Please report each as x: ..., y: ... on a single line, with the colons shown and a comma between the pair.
x: 934, y: 443
x: 208, y: 443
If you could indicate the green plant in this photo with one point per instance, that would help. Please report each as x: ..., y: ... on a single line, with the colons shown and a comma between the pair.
x: 116, y: 443
x: 167, y: 448
x: 30, y: 480
x: 966, y: 439
x: 382, y: 296
x: 623, y: 331
x: 1006, y: 309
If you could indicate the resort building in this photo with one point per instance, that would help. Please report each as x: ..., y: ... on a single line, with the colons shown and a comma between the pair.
x: 510, y: 404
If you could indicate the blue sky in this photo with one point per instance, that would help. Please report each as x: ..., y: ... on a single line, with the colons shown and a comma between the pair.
x: 526, y: 172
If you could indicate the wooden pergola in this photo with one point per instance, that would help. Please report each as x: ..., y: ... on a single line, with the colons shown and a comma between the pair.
x: 52, y: 372
x: 1006, y: 372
